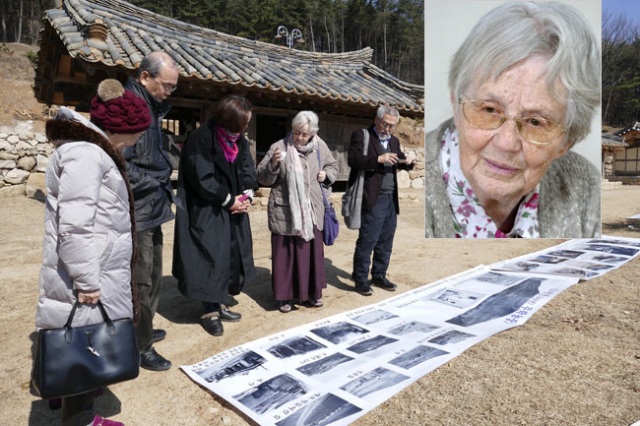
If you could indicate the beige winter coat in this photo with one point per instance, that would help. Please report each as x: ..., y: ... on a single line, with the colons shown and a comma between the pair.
x: 87, y: 242
x: 279, y: 212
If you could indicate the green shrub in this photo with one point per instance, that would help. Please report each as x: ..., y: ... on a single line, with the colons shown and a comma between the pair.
x: 32, y: 56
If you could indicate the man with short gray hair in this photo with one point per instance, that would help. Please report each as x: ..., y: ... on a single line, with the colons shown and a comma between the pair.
x: 380, y: 205
x: 149, y: 170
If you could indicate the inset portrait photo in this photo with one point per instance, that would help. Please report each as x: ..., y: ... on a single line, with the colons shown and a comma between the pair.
x: 512, y: 119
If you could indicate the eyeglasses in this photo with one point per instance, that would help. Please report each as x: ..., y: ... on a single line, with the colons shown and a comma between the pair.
x: 297, y: 134
x: 168, y: 87
x: 386, y: 125
x: 487, y: 115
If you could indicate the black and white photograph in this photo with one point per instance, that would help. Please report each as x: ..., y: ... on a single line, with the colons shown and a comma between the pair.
x: 618, y: 242
x: 498, y: 279
x: 575, y: 272
x: 571, y: 254
x: 272, y: 394
x: 413, y: 327
x: 373, y: 381
x: 457, y: 298
x: 591, y: 266
x: 549, y: 260
x: 603, y: 248
x: 416, y: 356
x: 606, y: 258
x: 500, y: 304
x: 323, y: 411
x: 324, y: 365
x: 239, y: 365
x: 339, y: 332
x: 450, y: 337
x: 295, y: 346
x: 522, y: 266
x: 374, y: 317
x: 371, y: 344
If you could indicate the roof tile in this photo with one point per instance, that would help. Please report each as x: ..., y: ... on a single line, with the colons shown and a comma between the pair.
x: 207, y: 54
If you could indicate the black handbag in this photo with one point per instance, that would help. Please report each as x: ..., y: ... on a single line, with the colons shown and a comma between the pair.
x: 74, y: 360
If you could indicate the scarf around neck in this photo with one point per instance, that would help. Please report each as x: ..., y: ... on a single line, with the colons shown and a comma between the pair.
x: 227, y: 142
x: 469, y: 218
x: 299, y: 202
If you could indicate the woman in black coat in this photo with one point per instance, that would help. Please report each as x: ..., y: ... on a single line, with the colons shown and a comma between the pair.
x: 213, y: 252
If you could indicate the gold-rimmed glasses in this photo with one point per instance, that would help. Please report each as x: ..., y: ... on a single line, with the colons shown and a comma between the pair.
x: 487, y: 115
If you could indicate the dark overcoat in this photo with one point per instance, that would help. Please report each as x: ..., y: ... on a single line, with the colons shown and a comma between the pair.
x: 201, y: 250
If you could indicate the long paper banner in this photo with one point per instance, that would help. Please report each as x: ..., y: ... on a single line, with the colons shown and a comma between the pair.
x: 333, y: 371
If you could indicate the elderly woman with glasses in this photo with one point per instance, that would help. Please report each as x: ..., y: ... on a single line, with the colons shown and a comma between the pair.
x: 524, y: 88
x: 295, y: 168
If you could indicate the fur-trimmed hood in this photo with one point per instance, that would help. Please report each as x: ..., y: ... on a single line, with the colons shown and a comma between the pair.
x: 67, y: 127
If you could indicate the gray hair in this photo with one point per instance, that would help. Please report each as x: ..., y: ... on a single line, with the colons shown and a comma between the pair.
x: 515, y: 31
x: 154, y: 62
x: 306, y: 118
x: 387, y: 110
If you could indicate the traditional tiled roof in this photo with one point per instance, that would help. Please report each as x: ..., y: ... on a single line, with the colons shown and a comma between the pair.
x: 613, y: 141
x: 635, y: 126
x: 117, y: 34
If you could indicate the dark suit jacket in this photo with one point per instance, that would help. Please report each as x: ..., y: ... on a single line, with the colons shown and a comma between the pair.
x: 374, y: 171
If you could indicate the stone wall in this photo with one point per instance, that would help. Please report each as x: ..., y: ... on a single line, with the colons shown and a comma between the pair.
x: 23, y: 160
x: 413, y: 178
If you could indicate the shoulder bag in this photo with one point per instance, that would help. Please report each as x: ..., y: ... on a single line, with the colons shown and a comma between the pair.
x: 352, y: 198
x: 331, y: 225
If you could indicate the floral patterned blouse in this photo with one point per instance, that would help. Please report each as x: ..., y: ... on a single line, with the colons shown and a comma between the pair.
x: 469, y: 218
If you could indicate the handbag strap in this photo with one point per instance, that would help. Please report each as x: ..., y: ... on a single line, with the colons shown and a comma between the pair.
x: 324, y: 197
x: 105, y: 316
x: 365, y: 149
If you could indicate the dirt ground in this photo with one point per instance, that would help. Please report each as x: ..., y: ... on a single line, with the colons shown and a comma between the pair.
x: 576, y: 362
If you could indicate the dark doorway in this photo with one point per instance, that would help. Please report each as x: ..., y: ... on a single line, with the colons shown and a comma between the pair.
x: 269, y: 129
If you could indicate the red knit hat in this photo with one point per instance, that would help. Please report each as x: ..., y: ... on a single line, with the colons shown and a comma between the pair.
x: 119, y: 110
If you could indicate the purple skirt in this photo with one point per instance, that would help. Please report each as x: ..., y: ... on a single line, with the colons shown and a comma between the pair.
x: 298, y: 267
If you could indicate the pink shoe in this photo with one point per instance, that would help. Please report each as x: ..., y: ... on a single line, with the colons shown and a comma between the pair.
x: 99, y: 421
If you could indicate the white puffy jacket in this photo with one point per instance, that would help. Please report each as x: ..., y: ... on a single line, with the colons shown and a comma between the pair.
x: 87, y: 243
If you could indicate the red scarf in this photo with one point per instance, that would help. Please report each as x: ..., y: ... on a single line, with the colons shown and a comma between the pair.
x: 228, y: 143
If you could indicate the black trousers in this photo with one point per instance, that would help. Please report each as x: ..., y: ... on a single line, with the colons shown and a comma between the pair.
x: 77, y: 410
x: 377, y: 229
x: 148, y: 275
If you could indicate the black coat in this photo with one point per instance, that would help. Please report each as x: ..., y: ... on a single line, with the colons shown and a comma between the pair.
x: 374, y: 171
x: 149, y: 168
x: 202, y: 241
